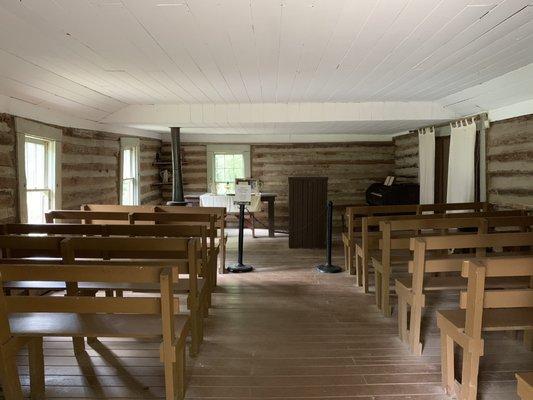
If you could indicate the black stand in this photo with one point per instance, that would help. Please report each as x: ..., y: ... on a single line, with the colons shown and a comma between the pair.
x: 328, y: 267
x: 240, y: 267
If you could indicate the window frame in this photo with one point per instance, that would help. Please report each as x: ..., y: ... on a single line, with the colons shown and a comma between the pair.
x: 213, y: 149
x: 28, y: 130
x: 134, y: 144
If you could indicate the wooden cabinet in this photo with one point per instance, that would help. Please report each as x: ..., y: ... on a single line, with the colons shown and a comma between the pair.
x: 307, y: 212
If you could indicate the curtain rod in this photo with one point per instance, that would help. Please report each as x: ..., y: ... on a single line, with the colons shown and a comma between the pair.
x: 478, y: 118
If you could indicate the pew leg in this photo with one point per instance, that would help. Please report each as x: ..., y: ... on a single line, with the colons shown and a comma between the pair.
x: 386, y: 308
x: 180, y: 371
x: 10, y: 378
x: 377, y: 287
x: 171, y: 377
x: 364, y: 267
x: 195, y: 333
x: 346, y: 267
x: 447, y: 362
x: 350, y: 260
x: 358, y: 270
x: 469, y: 375
x: 414, y: 326
x: 402, y: 319
x: 79, y: 345
x: 36, y: 361
x: 528, y: 340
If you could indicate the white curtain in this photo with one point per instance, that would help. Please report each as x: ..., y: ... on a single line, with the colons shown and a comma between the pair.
x: 426, y: 162
x: 461, y: 165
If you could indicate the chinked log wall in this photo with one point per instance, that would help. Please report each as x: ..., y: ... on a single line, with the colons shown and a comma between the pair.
x: 90, y: 168
x: 510, y: 162
x: 8, y: 169
x: 351, y: 168
x: 406, y: 158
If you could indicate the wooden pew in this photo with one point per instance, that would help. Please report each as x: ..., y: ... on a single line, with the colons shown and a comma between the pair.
x: 30, y: 318
x: 525, y: 385
x: 481, y: 310
x: 395, y: 232
x: 353, y: 218
x: 219, y: 212
x: 220, y: 224
x: 411, y: 292
x: 390, y: 242
x: 122, y: 250
x: 373, y: 241
x: 146, y: 251
x: 208, y: 261
x: 356, y: 241
x: 207, y: 220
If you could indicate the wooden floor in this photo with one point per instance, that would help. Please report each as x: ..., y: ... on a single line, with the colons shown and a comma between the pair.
x: 284, y: 332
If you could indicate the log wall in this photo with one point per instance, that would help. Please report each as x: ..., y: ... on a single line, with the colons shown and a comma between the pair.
x: 350, y: 167
x: 510, y: 162
x: 406, y: 158
x: 193, y: 168
x: 90, y: 168
x: 8, y: 170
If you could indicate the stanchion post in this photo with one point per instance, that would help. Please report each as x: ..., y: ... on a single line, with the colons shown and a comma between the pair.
x: 240, y: 266
x: 328, y: 267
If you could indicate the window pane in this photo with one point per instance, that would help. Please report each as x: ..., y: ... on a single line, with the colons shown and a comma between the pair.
x: 36, y: 167
x: 228, y: 167
x: 38, y: 204
x: 127, y: 192
x: 127, y: 171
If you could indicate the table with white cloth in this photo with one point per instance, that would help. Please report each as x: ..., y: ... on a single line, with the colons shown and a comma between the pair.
x: 212, y: 200
x: 227, y: 201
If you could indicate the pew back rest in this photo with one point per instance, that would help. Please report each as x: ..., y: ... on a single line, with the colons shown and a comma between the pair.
x: 478, y: 297
x: 30, y: 246
x: 135, y: 274
x: 176, y: 231
x: 219, y: 212
x: 87, y: 217
x: 181, y: 252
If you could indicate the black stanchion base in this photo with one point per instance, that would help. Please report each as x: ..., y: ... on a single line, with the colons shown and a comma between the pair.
x: 237, y: 268
x: 328, y: 268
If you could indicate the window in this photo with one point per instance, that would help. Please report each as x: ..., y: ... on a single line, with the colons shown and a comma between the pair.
x: 39, y: 181
x: 39, y: 158
x: 227, y: 168
x: 225, y: 164
x: 129, y: 192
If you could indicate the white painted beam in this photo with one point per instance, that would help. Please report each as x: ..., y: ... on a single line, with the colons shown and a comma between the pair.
x: 39, y: 113
x: 218, y: 115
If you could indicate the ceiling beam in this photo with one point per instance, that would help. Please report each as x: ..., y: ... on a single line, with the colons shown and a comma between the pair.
x: 226, y: 115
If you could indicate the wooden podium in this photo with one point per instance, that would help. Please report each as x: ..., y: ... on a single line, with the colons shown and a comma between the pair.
x: 307, y: 212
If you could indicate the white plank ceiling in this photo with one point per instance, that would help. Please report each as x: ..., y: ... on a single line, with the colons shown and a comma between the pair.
x: 93, y: 59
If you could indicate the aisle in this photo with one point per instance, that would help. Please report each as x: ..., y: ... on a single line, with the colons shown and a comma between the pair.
x: 284, y: 331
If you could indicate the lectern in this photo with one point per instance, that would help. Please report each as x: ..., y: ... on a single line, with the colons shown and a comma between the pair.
x: 307, y: 212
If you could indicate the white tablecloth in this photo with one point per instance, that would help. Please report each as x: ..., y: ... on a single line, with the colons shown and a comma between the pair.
x: 222, y: 200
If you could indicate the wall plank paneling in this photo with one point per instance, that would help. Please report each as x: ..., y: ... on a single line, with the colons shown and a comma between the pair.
x: 510, y: 162
x: 406, y: 158
x: 8, y: 170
